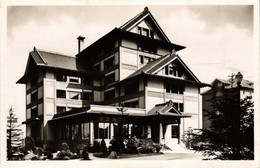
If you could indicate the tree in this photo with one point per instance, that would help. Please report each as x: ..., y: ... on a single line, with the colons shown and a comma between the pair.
x: 14, y: 133
x: 231, y: 133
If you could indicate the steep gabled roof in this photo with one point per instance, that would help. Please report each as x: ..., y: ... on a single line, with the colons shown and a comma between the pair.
x: 45, y: 59
x: 154, y: 66
x: 166, y: 108
x: 155, y: 63
x: 140, y: 17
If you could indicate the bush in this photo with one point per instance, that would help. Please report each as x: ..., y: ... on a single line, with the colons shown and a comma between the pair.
x: 132, y: 145
x: 135, y: 145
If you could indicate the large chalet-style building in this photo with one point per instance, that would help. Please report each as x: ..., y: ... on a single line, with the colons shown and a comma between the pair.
x: 76, y: 99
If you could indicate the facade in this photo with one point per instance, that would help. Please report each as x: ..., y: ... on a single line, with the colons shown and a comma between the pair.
x: 128, y: 83
x: 222, y: 88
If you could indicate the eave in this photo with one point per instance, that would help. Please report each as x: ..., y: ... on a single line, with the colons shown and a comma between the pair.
x: 23, y: 79
x: 118, y: 33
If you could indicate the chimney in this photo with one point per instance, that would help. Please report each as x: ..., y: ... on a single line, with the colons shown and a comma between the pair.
x: 80, y: 43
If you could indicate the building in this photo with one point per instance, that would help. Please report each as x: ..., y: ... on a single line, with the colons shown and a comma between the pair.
x: 79, y: 99
x: 237, y: 88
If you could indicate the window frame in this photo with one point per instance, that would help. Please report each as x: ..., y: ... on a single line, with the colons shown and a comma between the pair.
x: 63, y: 95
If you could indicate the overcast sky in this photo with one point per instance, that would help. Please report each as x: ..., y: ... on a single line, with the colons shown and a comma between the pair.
x: 219, y: 39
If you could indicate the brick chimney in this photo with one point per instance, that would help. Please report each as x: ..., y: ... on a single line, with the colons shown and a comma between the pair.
x: 80, y: 43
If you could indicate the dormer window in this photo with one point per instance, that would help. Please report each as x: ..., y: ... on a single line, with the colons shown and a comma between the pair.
x: 171, y: 70
x: 145, y: 32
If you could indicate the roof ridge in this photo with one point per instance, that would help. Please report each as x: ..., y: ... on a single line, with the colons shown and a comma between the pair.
x: 35, y: 50
x: 159, y: 60
x: 146, y: 10
x: 56, y: 53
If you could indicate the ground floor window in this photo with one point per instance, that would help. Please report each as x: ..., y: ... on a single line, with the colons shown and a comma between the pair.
x: 101, y: 130
x: 76, y: 131
x: 85, y: 131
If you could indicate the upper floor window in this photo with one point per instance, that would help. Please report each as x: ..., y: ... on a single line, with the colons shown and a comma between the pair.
x: 147, y: 48
x: 73, y: 79
x: 174, y: 88
x: 60, y: 109
x: 61, y: 94
x: 179, y: 106
x: 72, y: 108
x: 109, y: 95
x: 61, y: 78
x: 109, y: 62
x: 34, y: 96
x: 34, y: 112
x: 133, y: 104
x: 109, y: 78
x: 144, y: 59
x: 145, y: 32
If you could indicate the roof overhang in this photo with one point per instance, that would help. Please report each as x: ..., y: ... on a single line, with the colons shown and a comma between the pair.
x: 118, y: 33
x: 100, y: 110
x: 24, y: 78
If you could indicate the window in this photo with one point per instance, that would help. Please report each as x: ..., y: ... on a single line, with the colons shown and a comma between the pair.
x: 85, y: 131
x: 144, y: 59
x: 86, y: 96
x: 175, y: 131
x: 174, y: 88
x: 170, y: 70
x: 73, y: 79
x: 109, y: 63
x: 67, y: 132
x: 109, y: 78
x: 145, y: 32
x: 141, y: 59
x: 34, y: 96
x: 72, y: 108
x: 101, y: 130
x: 147, y: 48
x: 61, y: 78
x: 109, y: 95
x: 132, y: 88
x: 133, y: 104
x: 61, y: 109
x: 34, y: 112
x: 74, y: 95
x: 179, y: 106
x: 61, y: 94
x: 75, y: 132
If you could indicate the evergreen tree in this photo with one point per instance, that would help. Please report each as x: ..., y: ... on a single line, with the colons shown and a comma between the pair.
x: 231, y: 133
x: 14, y: 133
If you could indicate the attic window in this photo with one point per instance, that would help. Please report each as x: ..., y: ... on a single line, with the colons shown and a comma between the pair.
x: 145, y: 32
x: 171, y: 70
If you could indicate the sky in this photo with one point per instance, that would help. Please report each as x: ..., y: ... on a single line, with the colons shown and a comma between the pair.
x: 218, y: 39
